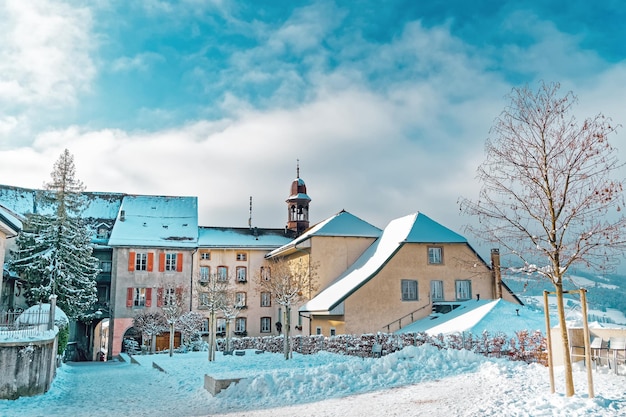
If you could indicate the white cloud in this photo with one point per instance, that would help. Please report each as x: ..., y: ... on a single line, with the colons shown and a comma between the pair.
x: 139, y: 62
x: 45, y: 62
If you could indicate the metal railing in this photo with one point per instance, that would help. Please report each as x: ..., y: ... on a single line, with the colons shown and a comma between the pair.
x: 409, y: 316
x: 20, y: 324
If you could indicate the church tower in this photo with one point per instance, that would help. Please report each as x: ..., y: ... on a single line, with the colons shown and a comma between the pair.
x: 298, y: 206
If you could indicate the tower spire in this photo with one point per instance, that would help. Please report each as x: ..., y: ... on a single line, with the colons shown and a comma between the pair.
x: 298, y: 205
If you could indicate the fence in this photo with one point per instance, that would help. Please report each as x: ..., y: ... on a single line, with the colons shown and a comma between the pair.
x: 20, y: 324
x: 526, y: 346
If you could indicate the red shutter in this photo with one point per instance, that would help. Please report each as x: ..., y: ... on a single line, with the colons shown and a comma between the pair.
x: 131, y: 261
x: 130, y: 292
x: 161, y: 261
x: 179, y: 295
x: 148, y: 297
x: 150, y: 261
x: 179, y: 262
x: 159, y: 297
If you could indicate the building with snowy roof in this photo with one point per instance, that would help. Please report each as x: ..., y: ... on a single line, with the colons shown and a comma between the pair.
x: 372, y: 280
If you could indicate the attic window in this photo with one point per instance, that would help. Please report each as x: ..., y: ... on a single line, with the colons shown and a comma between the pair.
x: 435, y: 255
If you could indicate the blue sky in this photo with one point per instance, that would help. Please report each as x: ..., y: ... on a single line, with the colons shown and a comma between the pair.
x: 386, y: 104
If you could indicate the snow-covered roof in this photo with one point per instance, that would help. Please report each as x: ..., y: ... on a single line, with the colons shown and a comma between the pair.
x: 342, y: 224
x: 10, y: 225
x: 231, y: 237
x: 414, y: 228
x: 478, y: 316
x: 23, y: 201
x: 156, y: 221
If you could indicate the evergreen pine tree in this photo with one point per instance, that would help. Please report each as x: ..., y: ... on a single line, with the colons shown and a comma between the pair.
x: 54, y: 255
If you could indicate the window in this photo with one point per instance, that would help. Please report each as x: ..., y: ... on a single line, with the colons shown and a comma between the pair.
x: 204, y: 273
x: 318, y: 330
x: 103, y: 232
x: 240, y: 299
x: 266, y: 325
x: 266, y: 299
x: 242, y: 256
x: 204, y: 327
x: 141, y: 262
x: 333, y: 331
x: 105, y: 266
x: 222, y: 273
x: 205, y: 256
x: 463, y: 289
x: 436, y: 290
x: 139, y: 299
x: 409, y: 290
x: 169, y: 296
x: 265, y: 273
x: 435, y: 255
x: 203, y: 300
x: 170, y: 261
x: 241, y: 274
x: 220, y: 326
x: 240, y: 325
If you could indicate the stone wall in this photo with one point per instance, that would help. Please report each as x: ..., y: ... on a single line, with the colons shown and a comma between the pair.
x: 28, y: 368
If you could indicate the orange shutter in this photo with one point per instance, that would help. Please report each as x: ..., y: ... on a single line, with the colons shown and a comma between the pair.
x: 150, y: 261
x: 130, y: 292
x: 148, y: 297
x: 179, y: 262
x: 159, y: 297
x: 161, y: 261
x: 131, y: 261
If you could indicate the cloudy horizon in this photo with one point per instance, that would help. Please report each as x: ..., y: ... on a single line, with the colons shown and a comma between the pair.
x: 386, y: 108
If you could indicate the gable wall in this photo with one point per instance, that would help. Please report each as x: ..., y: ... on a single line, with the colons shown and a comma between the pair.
x: 379, y: 302
x: 334, y: 255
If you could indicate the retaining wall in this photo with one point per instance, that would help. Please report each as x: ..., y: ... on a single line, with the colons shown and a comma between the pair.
x: 27, y: 367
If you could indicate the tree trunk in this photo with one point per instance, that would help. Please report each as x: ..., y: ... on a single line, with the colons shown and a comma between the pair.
x: 227, y: 347
x: 212, y: 336
x: 171, y: 339
x: 567, y: 360
x: 286, y: 328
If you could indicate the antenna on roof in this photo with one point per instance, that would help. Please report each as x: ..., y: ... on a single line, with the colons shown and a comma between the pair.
x: 250, y: 218
x: 297, y: 168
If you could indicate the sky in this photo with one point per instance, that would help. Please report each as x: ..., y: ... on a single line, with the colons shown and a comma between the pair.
x: 386, y: 106
x: 416, y: 381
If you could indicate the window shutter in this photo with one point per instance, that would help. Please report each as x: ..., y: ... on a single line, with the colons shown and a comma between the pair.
x: 130, y: 292
x: 160, y: 297
x: 161, y: 261
x: 150, y: 261
x: 131, y: 261
x: 148, y: 297
x: 179, y: 296
x: 179, y: 262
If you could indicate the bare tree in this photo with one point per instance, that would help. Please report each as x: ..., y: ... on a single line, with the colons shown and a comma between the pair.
x: 290, y: 283
x: 189, y: 325
x: 230, y: 309
x: 150, y: 324
x: 211, y: 298
x: 548, y: 193
x: 172, y: 300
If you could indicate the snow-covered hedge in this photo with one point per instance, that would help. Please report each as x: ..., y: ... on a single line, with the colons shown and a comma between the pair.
x: 526, y: 346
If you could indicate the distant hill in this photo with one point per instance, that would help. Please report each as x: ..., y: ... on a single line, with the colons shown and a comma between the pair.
x: 604, y: 292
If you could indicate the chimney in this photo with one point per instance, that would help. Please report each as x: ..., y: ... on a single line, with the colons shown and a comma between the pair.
x: 497, y: 276
x: 122, y: 215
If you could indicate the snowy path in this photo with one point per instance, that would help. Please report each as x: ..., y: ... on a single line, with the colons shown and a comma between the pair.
x: 417, y: 381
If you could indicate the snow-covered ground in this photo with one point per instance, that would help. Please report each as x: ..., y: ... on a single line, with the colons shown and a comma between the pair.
x: 416, y: 381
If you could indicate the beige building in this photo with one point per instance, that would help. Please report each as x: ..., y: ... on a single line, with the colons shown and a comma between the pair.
x: 379, y: 281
